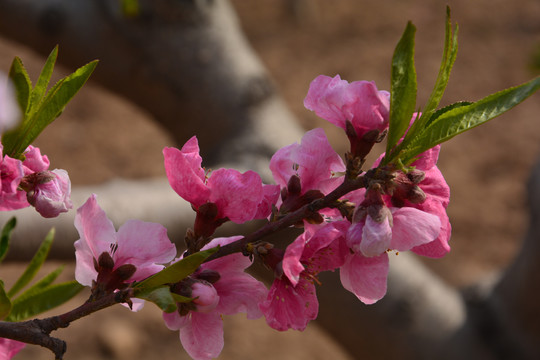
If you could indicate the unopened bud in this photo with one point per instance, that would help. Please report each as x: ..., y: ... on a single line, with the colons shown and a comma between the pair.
x: 416, y: 195
x: 416, y: 176
x: 206, y: 296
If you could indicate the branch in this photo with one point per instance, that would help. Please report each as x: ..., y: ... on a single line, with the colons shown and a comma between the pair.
x: 38, y: 331
x: 291, y: 219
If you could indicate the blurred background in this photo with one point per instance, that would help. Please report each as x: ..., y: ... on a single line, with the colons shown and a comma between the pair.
x: 101, y: 136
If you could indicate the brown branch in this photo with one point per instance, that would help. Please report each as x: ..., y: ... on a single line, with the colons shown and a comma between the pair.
x: 292, y: 218
x: 38, y: 331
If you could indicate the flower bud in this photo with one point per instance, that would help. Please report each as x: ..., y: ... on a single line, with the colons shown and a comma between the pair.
x: 50, y: 192
x: 206, y: 296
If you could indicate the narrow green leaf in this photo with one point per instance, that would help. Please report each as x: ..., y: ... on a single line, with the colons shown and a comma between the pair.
x: 42, y: 83
x: 162, y: 297
x: 448, y: 59
x: 43, y: 283
x: 5, y: 303
x: 403, y: 87
x: 35, y: 264
x: 16, y: 141
x: 47, y: 298
x: 176, y: 272
x: 21, y: 81
x: 5, y: 237
x: 462, y: 118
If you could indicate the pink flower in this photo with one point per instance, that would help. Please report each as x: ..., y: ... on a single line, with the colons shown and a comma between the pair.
x: 142, y: 245
x: 359, y: 102
x: 10, y: 113
x: 51, y: 195
x: 420, y: 224
x: 11, y: 174
x: 437, y: 197
x: 292, y: 300
x: 9, y: 348
x: 240, y: 197
x: 28, y: 182
x: 201, y: 328
x: 313, y: 160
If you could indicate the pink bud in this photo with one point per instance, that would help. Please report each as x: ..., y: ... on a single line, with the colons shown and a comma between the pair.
x: 206, y: 297
x: 52, y: 197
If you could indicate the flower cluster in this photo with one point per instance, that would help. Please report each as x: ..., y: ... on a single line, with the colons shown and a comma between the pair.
x: 29, y: 181
x: 390, y: 210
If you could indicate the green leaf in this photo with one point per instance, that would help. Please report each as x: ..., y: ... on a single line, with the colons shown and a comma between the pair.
x: 43, y: 81
x: 181, y: 299
x: 35, y: 264
x: 461, y: 118
x: 403, y: 87
x: 160, y: 296
x: 449, y: 57
x: 44, y: 282
x: 5, y: 237
x: 16, y: 141
x: 176, y: 272
x: 20, y: 79
x: 5, y: 303
x: 44, y: 299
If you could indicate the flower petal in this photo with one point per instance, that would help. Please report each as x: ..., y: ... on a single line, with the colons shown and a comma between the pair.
x: 97, y: 234
x: 289, y: 307
x: 376, y: 237
x: 143, y: 244
x: 237, y: 195
x: 202, y: 337
x: 185, y: 174
x: 413, y: 227
x: 365, y: 276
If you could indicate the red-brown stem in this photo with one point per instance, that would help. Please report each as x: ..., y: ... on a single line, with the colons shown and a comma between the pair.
x: 38, y: 331
x: 292, y: 218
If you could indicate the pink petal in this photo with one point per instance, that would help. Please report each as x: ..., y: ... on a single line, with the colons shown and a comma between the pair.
x: 325, y: 249
x: 144, y: 245
x: 282, y: 165
x: 240, y: 293
x: 174, y: 321
x: 376, y: 237
x: 34, y: 161
x: 365, y: 276
x: 97, y: 234
x: 270, y: 197
x: 413, y: 227
x: 53, y: 197
x: 366, y: 107
x: 439, y: 247
x: 435, y: 187
x: 292, y: 268
x: 317, y: 160
x: 326, y: 97
x: 202, y: 337
x: 354, y: 236
x: 236, y: 195
x: 9, y: 348
x: 427, y: 159
x: 185, y: 174
x: 289, y: 307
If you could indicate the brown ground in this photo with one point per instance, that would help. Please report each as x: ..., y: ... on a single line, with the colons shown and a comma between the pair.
x: 297, y: 40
